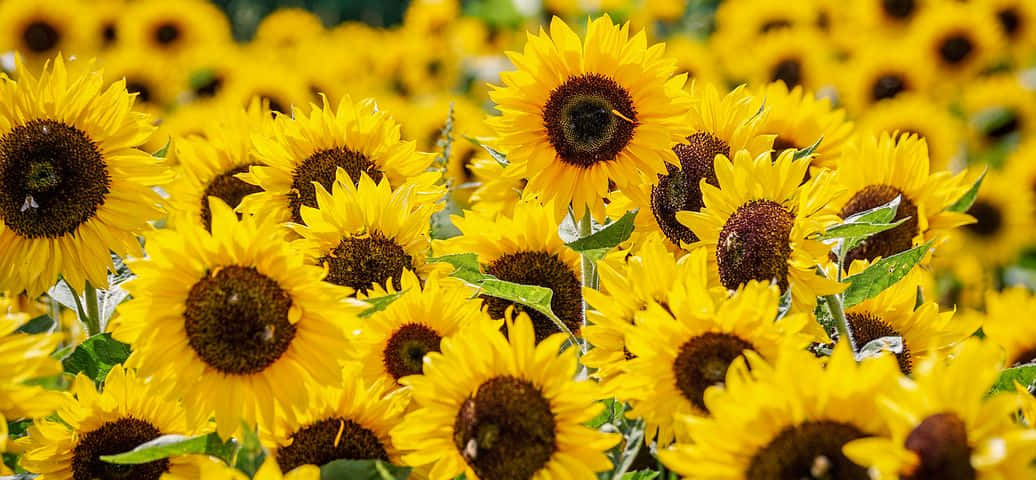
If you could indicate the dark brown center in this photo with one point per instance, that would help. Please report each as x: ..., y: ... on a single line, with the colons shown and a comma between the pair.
x: 774, y: 24
x: 405, y: 350
x: 889, y: 242
x: 680, y: 189
x: 703, y: 362
x: 956, y: 48
x: 898, y: 9
x: 109, y: 34
x: 811, y: 450
x: 1010, y: 21
x: 581, y: 123
x: 989, y: 220
x: 941, y: 443
x: 867, y: 327
x: 361, y: 262
x: 227, y: 187
x: 544, y: 270
x: 754, y: 244
x: 167, y: 34
x: 788, y: 71
x: 139, y: 87
x: 888, y: 86
x: 40, y: 36
x: 113, y: 437
x: 328, y: 440
x: 321, y: 167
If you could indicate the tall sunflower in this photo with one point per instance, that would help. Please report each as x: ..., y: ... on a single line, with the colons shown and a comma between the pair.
x: 875, y: 170
x: 756, y: 224
x: 799, y: 119
x: 517, y: 413
x: 131, y: 410
x: 347, y: 422
x: 916, y: 114
x: 682, y: 348
x: 524, y: 248
x: 1001, y: 326
x: 311, y: 147
x: 231, y: 317
x: 366, y: 234
x: 942, y: 427
x: 789, y: 420
x: 74, y: 184
x: 40, y: 30
x: 577, y: 115
x: 173, y: 28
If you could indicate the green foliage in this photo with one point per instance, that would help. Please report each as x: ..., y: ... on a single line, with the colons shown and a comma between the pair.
x: 859, y: 226
x: 380, y: 303
x: 174, y: 445
x: 250, y: 453
x: 882, y: 274
x: 40, y: 324
x: 968, y: 199
x: 612, y: 411
x: 805, y: 152
x: 1025, y: 375
x: 164, y: 151
x: 362, y: 470
x: 96, y: 356
x: 601, y: 242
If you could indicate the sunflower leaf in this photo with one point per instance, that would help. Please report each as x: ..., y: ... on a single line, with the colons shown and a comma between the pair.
x: 40, y: 324
x: 164, y: 151
x: 171, y: 446
x: 498, y: 156
x: 858, y: 229
x: 250, y: 454
x: 785, y: 304
x: 380, y: 303
x: 1025, y: 375
x: 465, y: 267
x: 602, y: 241
x: 641, y: 475
x: 880, y: 214
x: 362, y: 470
x: 805, y: 152
x: 882, y: 274
x: 96, y: 356
x: 968, y: 199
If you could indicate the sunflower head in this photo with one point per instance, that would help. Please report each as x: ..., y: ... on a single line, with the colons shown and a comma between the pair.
x: 38, y: 31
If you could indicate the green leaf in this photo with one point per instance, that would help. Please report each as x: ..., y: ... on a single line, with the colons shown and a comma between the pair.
x: 465, y: 267
x: 499, y: 157
x: 968, y: 199
x: 533, y: 296
x: 857, y: 230
x: 880, y: 214
x: 641, y: 475
x: 805, y: 152
x: 362, y: 470
x: 612, y: 409
x: 1024, y: 375
x: 784, y: 305
x: 164, y: 151
x: 171, y: 446
x: 380, y: 303
x: 882, y: 274
x: 96, y: 356
x: 40, y: 324
x: 251, y: 454
x: 599, y: 243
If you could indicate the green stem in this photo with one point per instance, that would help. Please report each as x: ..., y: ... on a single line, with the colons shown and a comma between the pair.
x: 589, y: 267
x: 93, y: 313
x: 834, y: 304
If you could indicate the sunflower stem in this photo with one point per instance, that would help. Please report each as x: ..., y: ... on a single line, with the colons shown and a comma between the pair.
x: 834, y: 304
x: 93, y: 313
x: 589, y: 267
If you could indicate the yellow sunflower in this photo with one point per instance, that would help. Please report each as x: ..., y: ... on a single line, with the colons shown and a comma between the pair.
x: 207, y: 72
x: 881, y: 71
x: 885, y: 17
x: 38, y: 31
x: 578, y: 115
x: 1005, y: 219
x: 1017, y: 20
x: 424, y: 65
x: 311, y: 147
x: 286, y: 28
x: 526, y: 249
x: 999, y: 109
x: 943, y: 427
x: 392, y: 344
x: 799, y: 119
x: 24, y: 357
x: 757, y: 222
x: 682, y: 348
x: 431, y: 16
x: 918, y: 115
x: 74, y: 185
x: 875, y: 170
x: 695, y: 59
x: 172, y: 28
x: 105, y: 22
x: 155, y: 80
x: 787, y: 420
x: 1001, y: 326
x: 958, y: 38
x: 795, y: 56
x: 131, y: 410
x: 350, y: 422
x: 741, y: 23
x: 269, y: 470
x: 272, y: 80
x: 517, y: 413
x: 499, y: 189
x: 230, y: 317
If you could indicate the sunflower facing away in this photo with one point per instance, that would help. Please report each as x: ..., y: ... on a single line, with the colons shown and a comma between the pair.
x: 756, y: 224
x: 943, y: 428
x: 516, y: 414
x: 128, y: 412
x: 232, y: 316
x: 73, y: 185
x: 577, y: 115
x: 786, y: 421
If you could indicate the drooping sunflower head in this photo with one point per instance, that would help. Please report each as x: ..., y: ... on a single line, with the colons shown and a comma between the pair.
x: 71, y: 177
x: 517, y: 414
x: 38, y: 31
x: 757, y: 221
x: 234, y: 311
x: 958, y: 38
x: 173, y: 28
x: 941, y: 427
x: 312, y: 146
x: 799, y: 119
x: 786, y: 421
x: 366, y: 234
x: 915, y: 114
x: 880, y: 72
x: 525, y: 249
x: 131, y: 410
x: 577, y: 115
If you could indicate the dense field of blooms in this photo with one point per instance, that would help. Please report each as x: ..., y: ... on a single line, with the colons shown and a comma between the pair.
x: 612, y: 239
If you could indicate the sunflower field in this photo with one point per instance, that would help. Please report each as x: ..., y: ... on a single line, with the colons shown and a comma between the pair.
x: 518, y: 239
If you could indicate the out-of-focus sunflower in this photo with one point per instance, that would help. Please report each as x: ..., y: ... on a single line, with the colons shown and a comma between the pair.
x: 574, y: 8
x: 757, y: 222
x: 517, y: 413
x: 800, y: 119
x: 171, y: 28
x: 311, y: 147
x: 154, y: 79
x: 958, y: 38
x: 1001, y: 326
x: 722, y: 124
x: 131, y: 410
x: 1005, y: 218
x: 525, y: 249
x: 350, y: 422
x: 209, y: 164
x: 24, y: 357
x: 918, y: 115
x: 430, y: 17
x: 268, y: 79
x: 426, y: 65
x: 207, y: 72
x: 942, y: 427
x: 229, y: 317
x: 886, y: 18
x: 40, y: 30
x: 998, y: 109
x: 797, y: 57
x: 1019, y: 165
x: 74, y: 185
x: 1017, y: 20
x: 683, y: 347
x: 874, y: 171
x: 286, y: 28
x: 190, y: 120
x: 740, y: 23
x: 776, y: 421
x: 500, y: 187
x: 882, y: 71
x: 695, y: 59
x: 607, y: 113
x: 105, y: 22
x: 365, y: 234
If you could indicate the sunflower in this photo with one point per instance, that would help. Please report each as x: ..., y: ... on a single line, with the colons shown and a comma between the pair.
x: 172, y: 27
x: 209, y: 163
x: 1001, y: 326
x: 1004, y: 213
x: 105, y: 22
x: 467, y: 123
x: 916, y: 114
x: 24, y: 357
x: 756, y: 224
x: 40, y: 30
x: 350, y: 422
x: 286, y: 28
x: 695, y: 59
x: 232, y: 316
x: 394, y: 342
x: 789, y: 420
x: 425, y: 65
x: 207, y: 73
x: 942, y: 427
x: 882, y: 71
x: 958, y: 38
x: 722, y: 124
x: 74, y: 185
x: 875, y: 170
x: 517, y: 413
x: 155, y: 80
x: 800, y: 119
x: 131, y: 410
x: 430, y: 17
x: 579, y: 115
x: 500, y: 187
x: 999, y: 109
x: 1017, y: 20
x: 1019, y: 165
x: 311, y: 147
x: 681, y: 348
x: 797, y: 57
x: 741, y: 23
x: 271, y: 80
x: 885, y: 17
x: 524, y: 248
x: 269, y: 470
